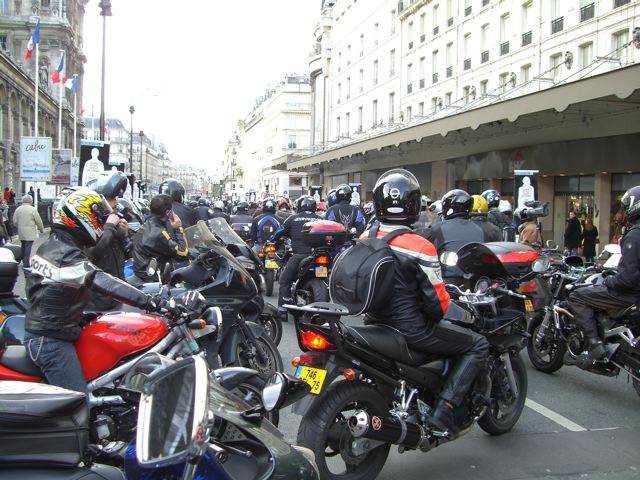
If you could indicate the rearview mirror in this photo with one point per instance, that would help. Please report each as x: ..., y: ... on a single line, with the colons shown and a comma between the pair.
x: 449, y: 259
x: 552, y: 245
x: 153, y: 267
x: 282, y: 390
x: 174, y: 414
x: 166, y: 273
x: 574, y: 261
x: 541, y: 264
x: 612, y: 248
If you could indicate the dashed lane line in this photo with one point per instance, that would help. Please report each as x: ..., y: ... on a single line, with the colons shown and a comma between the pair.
x: 553, y: 416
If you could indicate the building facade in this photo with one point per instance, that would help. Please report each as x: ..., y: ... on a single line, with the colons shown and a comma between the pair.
x: 462, y: 92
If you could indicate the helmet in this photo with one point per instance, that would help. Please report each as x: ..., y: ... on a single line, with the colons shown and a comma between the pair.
x: 631, y: 203
x: 202, y: 202
x: 505, y: 206
x: 218, y: 205
x: 480, y: 205
x: 282, y: 204
x: 242, y: 207
x: 368, y: 208
x: 425, y: 201
x: 268, y: 205
x: 193, y: 203
x: 436, y: 207
x: 331, y: 198
x: 456, y: 203
x: 173, y: 188
x: 131, y: 208
x: 521, y: 215
x: 343, y: 193
x: 306, y: 203
x: 396, y: 197
x: 492, y: 197
x: 111, y: 184
x: 83, y: 213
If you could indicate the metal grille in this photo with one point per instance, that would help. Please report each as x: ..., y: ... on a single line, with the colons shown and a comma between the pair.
x: 504, y: 48
x: 587, y: 12
x: 484, y: 56
x: 557, y: 25
x: 467, y: 64
x: 526, y: 39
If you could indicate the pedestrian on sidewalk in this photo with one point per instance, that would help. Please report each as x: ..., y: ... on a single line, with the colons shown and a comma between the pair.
x: 4, y: 220
x: 28, y: 222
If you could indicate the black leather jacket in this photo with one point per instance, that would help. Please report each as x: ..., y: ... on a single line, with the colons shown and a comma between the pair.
x: 108, y: 255
x: 187, y: 214
x: 58, y: 288
x: 241, y: 218
x: 155, y: 240
x: 348, y: 215
x: 292, y: 228
x: 219, y: 214
x: 203, y: 212
x: 627, y: 281
x: 498, y: 218
x: 491, y: 232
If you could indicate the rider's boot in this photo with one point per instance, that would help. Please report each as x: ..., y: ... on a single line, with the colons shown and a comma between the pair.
x: 441, y: 420
x: 595, y: 351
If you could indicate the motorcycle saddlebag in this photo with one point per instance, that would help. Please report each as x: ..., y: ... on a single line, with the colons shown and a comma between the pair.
x: 42, y: 425
x: 323, y: 233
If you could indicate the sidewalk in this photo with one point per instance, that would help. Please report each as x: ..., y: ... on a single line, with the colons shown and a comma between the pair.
x: 19, y: 289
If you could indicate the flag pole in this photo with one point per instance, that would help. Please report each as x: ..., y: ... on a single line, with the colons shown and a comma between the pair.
x: 61, y: 88
x: 75, y: 117
x: 35, y: 121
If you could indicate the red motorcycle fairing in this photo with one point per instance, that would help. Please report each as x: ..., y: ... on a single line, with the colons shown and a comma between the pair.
x: 8, y: 374
x: 114, y: 336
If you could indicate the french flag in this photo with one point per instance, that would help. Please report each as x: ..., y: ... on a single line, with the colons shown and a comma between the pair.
x: 55, y: 77
x: 71, y: 83
x: 33, y: 41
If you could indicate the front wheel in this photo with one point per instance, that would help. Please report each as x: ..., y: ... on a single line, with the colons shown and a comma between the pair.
x: 247, y: 356
x: 272, y: 325
x: 547, y: 352
x: 506, y: 408
x: 324, y: 430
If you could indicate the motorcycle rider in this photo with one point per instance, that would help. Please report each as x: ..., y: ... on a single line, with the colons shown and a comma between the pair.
x: 242, y: 214
x: 619, y: 291
x: 455, y: 231
x: 479, y: 214
x: 420, y: 300
x: 175, y: 190
x: 203, y: 212
x: 284, y: 209
x: 265, y: 225
x: 343, y: 212
x: 495, y: 216
x: 528, y: 229
x: 292, y: 228
x: 161, y: 237
x: 218, y: 211
x: 508, y: 232
x: 58, y: 286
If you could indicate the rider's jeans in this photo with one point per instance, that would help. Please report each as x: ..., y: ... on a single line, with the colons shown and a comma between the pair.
x: 585, y: 301
x: 288, y: 276
x: 57, y: 360
x: 470, y: 348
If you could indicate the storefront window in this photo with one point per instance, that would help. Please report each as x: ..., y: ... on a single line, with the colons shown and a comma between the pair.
x: 620, y: 183
x: 338, y: 180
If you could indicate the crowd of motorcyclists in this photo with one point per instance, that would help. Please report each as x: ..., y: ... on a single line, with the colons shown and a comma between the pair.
x: 80, y: 267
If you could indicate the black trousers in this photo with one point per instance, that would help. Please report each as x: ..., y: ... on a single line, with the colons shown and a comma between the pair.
x: 288, y: 276
x: 584, y: 302
x: 472, y: 350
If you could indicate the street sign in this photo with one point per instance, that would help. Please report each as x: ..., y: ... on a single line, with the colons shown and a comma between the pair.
x: 35, y: 159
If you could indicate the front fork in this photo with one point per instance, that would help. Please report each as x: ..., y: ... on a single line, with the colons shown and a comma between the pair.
x: 542, y: 331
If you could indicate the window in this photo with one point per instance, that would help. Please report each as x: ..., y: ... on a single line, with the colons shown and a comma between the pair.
x: 4, y: 10
x: 292, y: 141
x: 421, y: 71
x: 410, y: 34
x: 526, y: 17
x: 525, y: 73
x: 339, y: 92
x: 467, y: 51
x: 503, y: 82
x: 392, y: 107
x: 376, y: 29
x: 483, y: 87
x: 409, y: 114
x: 504, y: 28
x: 435, y: 19
x: 362, y: 44
x: 585, y: 54
x: 447, y: 98
x: 557, y: 21
x: 359, y: 119
x: 555, y: 63
x: 434, y: 66
x: 337, y: 127
x: 467, y: 8
x: 361, y: 80
x: 619, y: 3
x: 374, y: 112
x: 409, y: 77
x: 339, y: 61
x: 375, y: 72
x: 421, y: 109
x: 448, y: 55
x: 587, y: 10
x: 449, y: 13
x: 618, y: 41
x: 348, y: 55
x: 393, y: 22
x: 347, y: 127
x: 434, y: 104
x: 466, y: 93
x: 392, y: 63
x: 555, y: 9
x: 484, y: 43
x: 348, y: 88
x: 423, y: 20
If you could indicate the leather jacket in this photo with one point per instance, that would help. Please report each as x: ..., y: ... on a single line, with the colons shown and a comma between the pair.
x: 203, y: 212
x: 498, y: 218
x: 187, y: 214
x: 59, y: 284
x: 419, y: 295
x: 219, y: 214
x: 491, y: 232
x: 292, y: 228
x: 348, y: 215
x: 109, y: 256
x: 263, y: 227
x: 241, y: 218
x: 626, y: 281
x: 156, y: 240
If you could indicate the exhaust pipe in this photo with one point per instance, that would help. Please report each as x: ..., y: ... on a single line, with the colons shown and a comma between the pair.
x: 389, y: 430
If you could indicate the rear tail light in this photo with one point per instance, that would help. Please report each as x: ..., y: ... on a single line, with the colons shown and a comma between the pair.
x: 270, y: 249
x: 261, y: 253
x: 323, y: 260
x: 528, y: 287
x: 315, y: 341
x: 302, y: 360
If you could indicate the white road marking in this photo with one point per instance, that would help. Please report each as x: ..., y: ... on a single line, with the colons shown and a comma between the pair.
x: 556, y: 417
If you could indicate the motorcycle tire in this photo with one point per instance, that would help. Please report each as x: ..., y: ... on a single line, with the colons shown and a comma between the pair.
x: 636, y: 386
x: 269, y: 280
x: 556, y: 355
x: 318, y: 289
x: 511, y: 408
x: 251, y: 392
x: 273, y: 362
x: 324, y: 430
x: 272, y: 325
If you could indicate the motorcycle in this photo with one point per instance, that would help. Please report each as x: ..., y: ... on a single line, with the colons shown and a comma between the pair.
x: 10, y: 304
x: 325, y: 239
x: 387, y: 391
x: 269, y: 256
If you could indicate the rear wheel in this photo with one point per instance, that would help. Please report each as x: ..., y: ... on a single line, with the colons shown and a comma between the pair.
x: 324, y: 430
x: 547, y: 352
x: 247, y: 356
x: 505, y: 408
x: 318, y: 290
x: 269, y: 279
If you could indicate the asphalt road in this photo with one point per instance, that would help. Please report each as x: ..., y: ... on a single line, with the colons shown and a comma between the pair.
x: 576, y: 425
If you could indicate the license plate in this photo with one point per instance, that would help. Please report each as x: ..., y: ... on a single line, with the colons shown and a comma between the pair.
x: 528, y: 306
x: 322, y: 272
x: 271, y: 264
x: 312, y: 376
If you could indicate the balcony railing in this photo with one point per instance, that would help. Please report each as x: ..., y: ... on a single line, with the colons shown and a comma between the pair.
x: 434, y: 78
x: 467, y: 64
x: 587, y: 12
x: 485, y: 2
x: 449, y: 21
x: 504, y: 48
x: 422, y: 83
x: 410, y: 45
x: 484, y: 56
x: 557, y: 25
x: 619, y: 3
x: 409, y: 87
x: 422, y: 38
x: 467, y: 11
x: 526, y: 38
x: 436, y: 30
x: 449, y: 72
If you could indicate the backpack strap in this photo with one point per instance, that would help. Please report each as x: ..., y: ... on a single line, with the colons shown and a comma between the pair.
x: 396, y: 233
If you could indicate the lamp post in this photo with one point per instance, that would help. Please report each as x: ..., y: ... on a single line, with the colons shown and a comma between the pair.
x: 131, y: 111
x: 105, y: 11
x: 141, y: 137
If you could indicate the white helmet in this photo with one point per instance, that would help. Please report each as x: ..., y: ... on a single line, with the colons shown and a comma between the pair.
x: 505, y: 206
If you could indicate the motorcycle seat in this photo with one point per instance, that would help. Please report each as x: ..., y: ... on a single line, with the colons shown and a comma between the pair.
x: 16, y: 358
x: 389, y: 342
x: 95, y: 472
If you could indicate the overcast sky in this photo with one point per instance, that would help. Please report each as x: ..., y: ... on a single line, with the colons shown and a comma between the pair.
x: 192, y: 68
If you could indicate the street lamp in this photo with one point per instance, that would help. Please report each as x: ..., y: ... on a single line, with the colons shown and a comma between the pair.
x: 131, y: 111
x: 105, y: 11
x: 141, y: 137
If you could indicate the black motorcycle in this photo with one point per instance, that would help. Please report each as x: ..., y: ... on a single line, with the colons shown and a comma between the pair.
x: 387, y: 391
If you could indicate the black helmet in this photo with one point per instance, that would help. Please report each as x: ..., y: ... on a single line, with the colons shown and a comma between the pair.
x: 268, y: 205
x: 173, y: 188
x: 111, y: 184
x: 306, y: 203
x: 631, y: 204
x: 521, y: 215
x: 331, y: 198
x: 456, y: 203
x: 492, y: 197
x: 396, y: 197
x: 343, y: 192
x: 242, y: 207
x: 193, y: 203
x: 202, y: 202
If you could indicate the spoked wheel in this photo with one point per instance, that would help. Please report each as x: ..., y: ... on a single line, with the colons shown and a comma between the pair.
x: 325, y: 431
x: 505, y: 408
x: 547, y: 352
x: 251, y: 392
x: 247, y: 356
x: 272, y: 325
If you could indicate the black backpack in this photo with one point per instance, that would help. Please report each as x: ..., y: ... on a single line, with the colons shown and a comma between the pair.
x: 362, y: 276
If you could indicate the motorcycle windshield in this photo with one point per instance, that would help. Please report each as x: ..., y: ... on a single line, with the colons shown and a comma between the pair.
x: 222, y: 229
x: 478, y: 259
x: 201, y: 238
